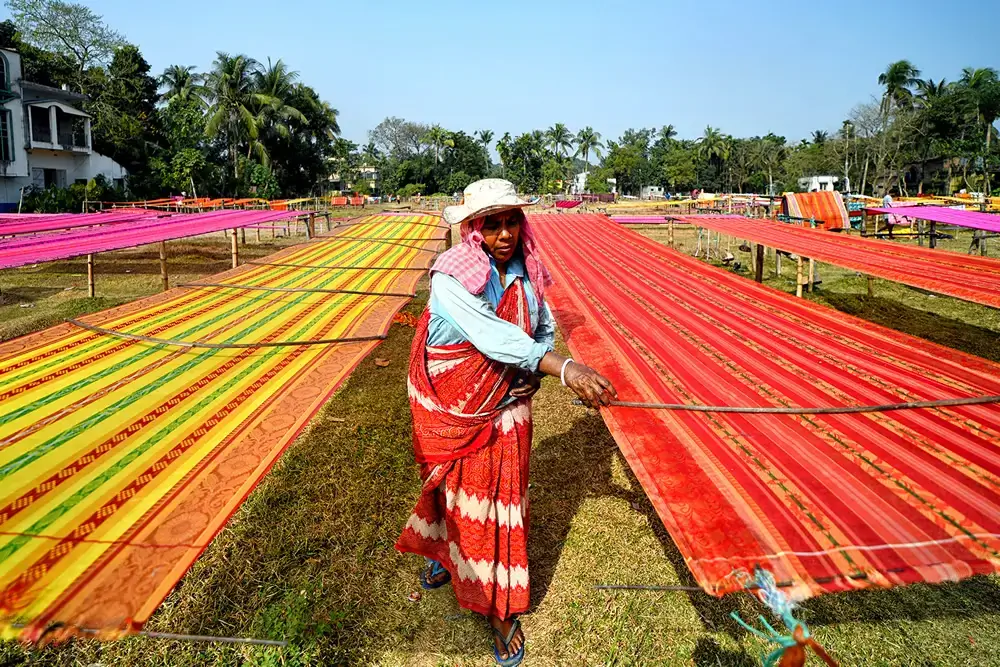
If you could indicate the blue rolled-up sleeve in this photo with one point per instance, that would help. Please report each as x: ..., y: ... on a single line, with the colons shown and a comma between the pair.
x: 475, y: 319
x: 545, y: 332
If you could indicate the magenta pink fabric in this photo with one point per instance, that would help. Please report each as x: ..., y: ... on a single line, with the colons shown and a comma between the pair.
x: 468, y: 263
x: 33, y: 223
x: 948, y: 216
x: 24, y: 250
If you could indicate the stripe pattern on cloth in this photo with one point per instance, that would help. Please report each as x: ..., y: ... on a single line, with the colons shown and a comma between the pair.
x: 472, y: 515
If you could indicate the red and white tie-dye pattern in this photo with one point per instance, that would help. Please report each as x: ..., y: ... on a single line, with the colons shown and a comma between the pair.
x: 472, y: 515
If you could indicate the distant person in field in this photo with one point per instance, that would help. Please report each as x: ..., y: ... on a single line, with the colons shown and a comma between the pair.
x: 479, y: 354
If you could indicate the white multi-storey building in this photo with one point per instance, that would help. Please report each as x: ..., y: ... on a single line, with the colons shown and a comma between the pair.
x: 44, y: 138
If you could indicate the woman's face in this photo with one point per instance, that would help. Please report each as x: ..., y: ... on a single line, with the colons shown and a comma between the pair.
x: 501, y: 234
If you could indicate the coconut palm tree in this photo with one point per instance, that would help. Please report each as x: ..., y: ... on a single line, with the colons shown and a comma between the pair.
x: 983, y: 84
x: 182, y: 83
x: 278, y: 83
x: 929, y: 91
x: 819, y: 137
x: 234, y: 98
x: 667, y: 133
x: 588, y: 141
x: 504, y: 146
x: 559, y: 139
x: 485, y: 139
x: 714, y: 145
x: 437, y: 137
x: 898, y: 78
x: 983, y: 87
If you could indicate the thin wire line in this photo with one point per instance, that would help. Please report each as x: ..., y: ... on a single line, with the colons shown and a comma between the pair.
x: 357, y: 268
x: 833, y: 410
x: 261, y: 288
x: 221, y: 346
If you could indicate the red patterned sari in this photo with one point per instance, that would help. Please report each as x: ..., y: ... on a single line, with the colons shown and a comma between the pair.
x: 472, y: 516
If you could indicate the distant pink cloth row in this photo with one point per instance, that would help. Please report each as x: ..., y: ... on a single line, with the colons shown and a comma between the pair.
x: 61, y: 245
x: 566, y: 203
x: 949, y: 216
x: 33, y: 223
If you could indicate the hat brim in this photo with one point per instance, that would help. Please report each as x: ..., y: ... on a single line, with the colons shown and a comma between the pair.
x: 456, y: 215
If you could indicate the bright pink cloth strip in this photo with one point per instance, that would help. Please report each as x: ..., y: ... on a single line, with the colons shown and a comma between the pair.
x: 61, y: 245
x: 947, y: 216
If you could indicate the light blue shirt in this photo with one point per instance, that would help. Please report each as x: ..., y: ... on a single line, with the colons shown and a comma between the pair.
x: 458, y: 316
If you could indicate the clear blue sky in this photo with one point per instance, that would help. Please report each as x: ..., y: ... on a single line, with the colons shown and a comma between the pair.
x: 745, y: 67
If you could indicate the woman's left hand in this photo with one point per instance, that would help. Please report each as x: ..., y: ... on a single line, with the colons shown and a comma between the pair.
x: 528, y: 385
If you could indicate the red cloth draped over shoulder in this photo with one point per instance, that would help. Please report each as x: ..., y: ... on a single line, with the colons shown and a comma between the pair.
x: 446, y: 380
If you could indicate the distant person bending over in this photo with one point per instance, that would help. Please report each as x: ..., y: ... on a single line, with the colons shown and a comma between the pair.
x: 478, y: 356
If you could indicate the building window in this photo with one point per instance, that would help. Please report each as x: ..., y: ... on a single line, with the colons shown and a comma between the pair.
x: 47, y: 178
x: 41, y: 131
x: 6, y: 140
x: 4, y: 73
x: 71, y: 130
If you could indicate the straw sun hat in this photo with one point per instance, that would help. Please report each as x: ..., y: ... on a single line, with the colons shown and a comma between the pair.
x: 489, y: 195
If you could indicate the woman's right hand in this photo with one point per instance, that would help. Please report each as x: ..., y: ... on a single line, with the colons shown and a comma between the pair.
x: 590, y: 386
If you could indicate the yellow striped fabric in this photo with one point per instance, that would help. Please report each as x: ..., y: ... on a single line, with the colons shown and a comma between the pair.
x: 121, y: 459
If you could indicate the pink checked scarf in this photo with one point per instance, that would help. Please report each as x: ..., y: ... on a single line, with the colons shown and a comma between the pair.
x: 470, y: 265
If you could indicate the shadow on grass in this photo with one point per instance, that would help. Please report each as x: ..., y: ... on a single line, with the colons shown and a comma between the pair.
x: 953, y: 333
x: 14, y: 295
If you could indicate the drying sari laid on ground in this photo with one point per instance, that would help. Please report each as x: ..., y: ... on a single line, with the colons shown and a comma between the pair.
x: 472, y: 439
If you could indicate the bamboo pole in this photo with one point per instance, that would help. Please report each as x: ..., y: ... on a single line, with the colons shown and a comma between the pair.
x: 798, y: 277
x: 670, y: 232
x: 236, y: 250
x: 812, y: 273
x: 90, y: 276
x: 243, y: 235
x: 777, y: 263
x: 164, y: 278
x: 871, y: 287
x: 759, y: 264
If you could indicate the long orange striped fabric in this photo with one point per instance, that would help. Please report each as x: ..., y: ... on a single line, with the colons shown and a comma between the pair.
x: 962, y: 276
x: 825, y: 502
x: 121, y: 459
x: 827, y: 208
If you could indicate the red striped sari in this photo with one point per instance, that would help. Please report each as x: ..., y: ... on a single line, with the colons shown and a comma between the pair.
x: 472, y: 516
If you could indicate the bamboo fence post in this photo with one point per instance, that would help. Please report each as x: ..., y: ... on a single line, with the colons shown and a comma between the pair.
x: 243, y: 235
x: 777, y: 263
x: 164, y: 278
x: 798, y: 277
x: 759, y: 264
x: 812, y: 273
x: 257, y: 231
x: 670, y: 232
x: 871, y: 287
x: 933, y: 241
x: 90, y: 276
x: 236, y: 250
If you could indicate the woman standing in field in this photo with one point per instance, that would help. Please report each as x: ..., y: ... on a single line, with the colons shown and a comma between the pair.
x: 479, y: 353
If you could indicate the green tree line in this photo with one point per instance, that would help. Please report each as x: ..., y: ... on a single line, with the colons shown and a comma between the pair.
x: 244, y: 128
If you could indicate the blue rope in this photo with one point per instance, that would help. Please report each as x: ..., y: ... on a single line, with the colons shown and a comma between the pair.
x: 780, y: 605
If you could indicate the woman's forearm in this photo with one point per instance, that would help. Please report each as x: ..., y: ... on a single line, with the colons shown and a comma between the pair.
x: 551, y: 364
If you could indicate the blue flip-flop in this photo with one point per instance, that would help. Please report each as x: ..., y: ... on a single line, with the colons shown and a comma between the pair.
x: 434, y: 570
x: 512, y: 660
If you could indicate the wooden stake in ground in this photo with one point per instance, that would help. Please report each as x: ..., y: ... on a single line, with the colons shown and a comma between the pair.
x: 871, y: 287
x: 777, y: 263
x: 243, y: 235
x: 311, y: 225
x: 812, y: 273
x: 798, y: 277
x: 163, y: 266
x: 90, y: 276
x: 670, y: 232
x: 759, y: 264
x: 236, y: 250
